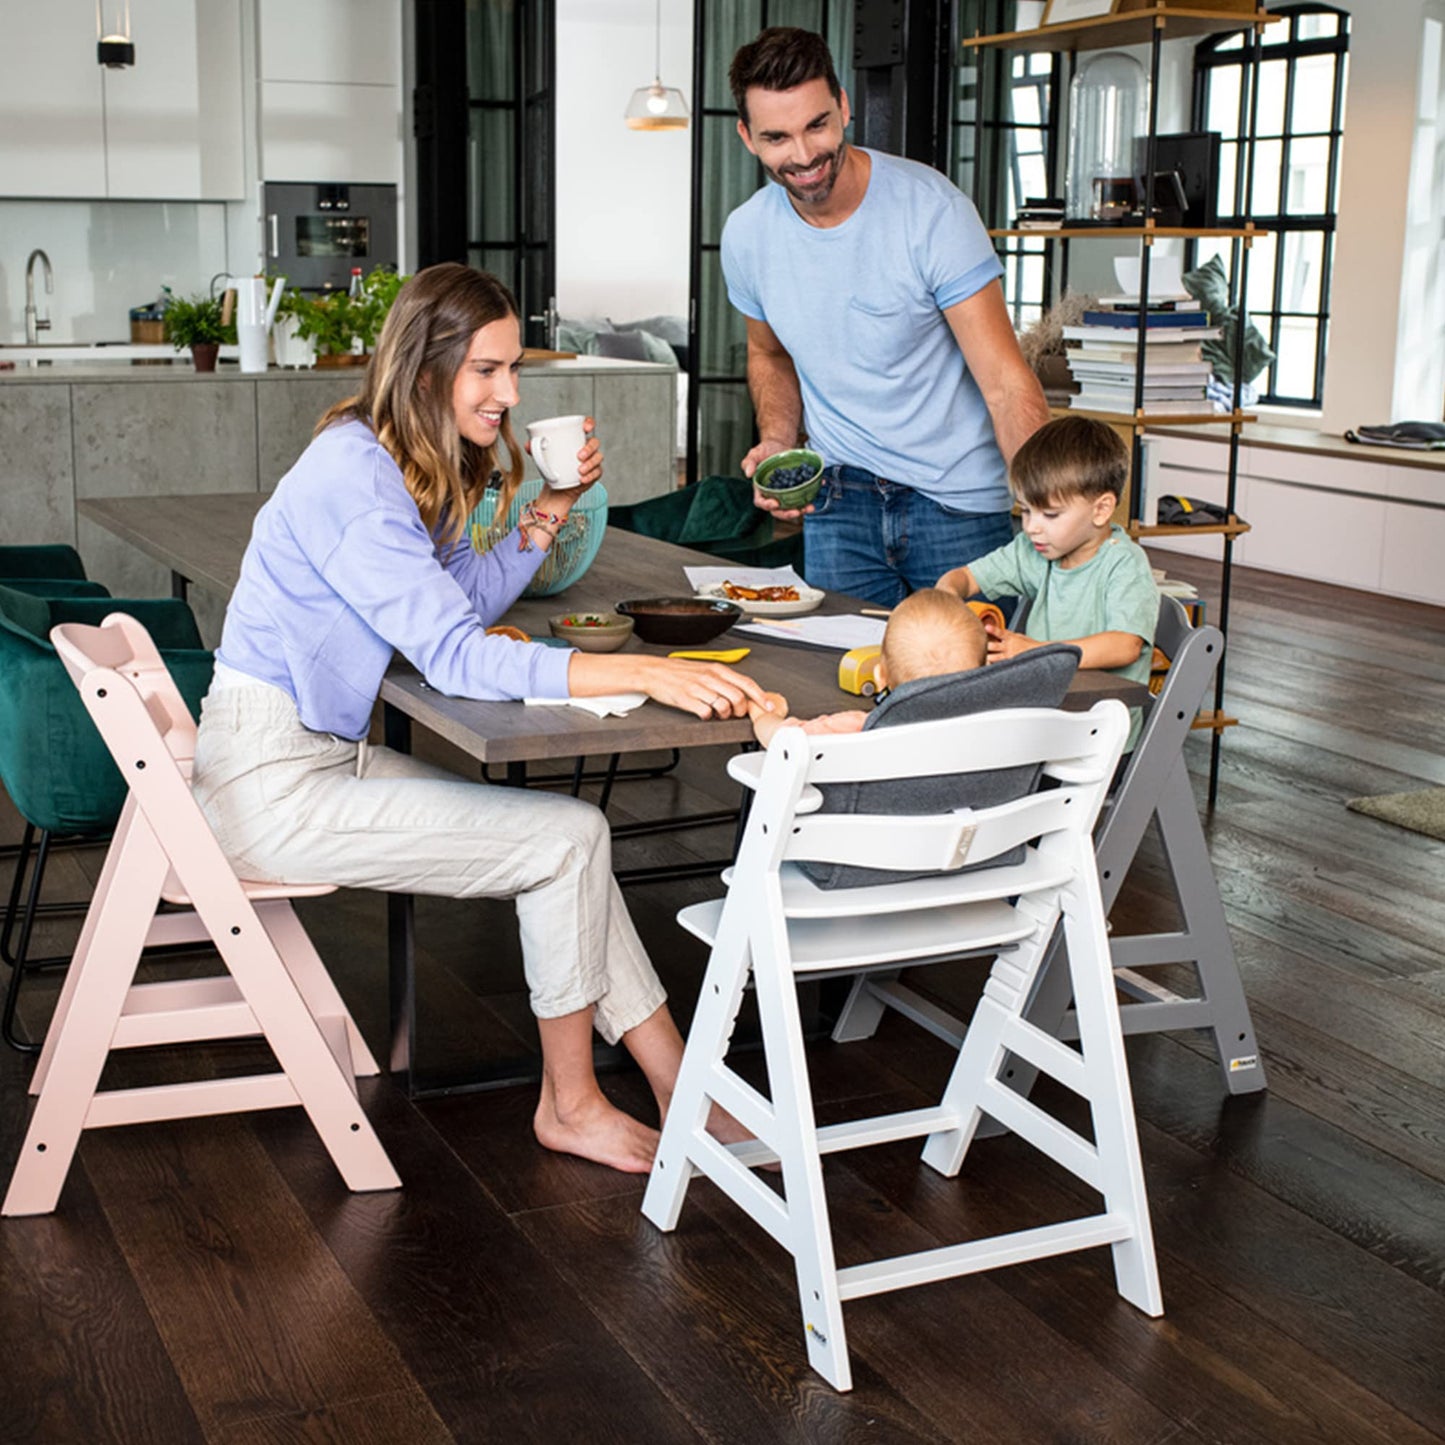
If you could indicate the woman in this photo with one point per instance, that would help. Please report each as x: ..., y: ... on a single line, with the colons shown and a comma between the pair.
x: 360, y: 552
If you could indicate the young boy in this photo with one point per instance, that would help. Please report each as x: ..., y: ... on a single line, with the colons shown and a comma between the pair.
x: 1088, y: 583
x: 929, y: 633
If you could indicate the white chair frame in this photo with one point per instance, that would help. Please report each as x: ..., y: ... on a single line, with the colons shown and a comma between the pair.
x: 275, y: 984
x: 774, y: 926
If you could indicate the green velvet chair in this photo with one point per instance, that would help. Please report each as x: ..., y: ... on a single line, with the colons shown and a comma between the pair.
x: 53, y: 763
x: 49, y: 569
x: 716, y: 515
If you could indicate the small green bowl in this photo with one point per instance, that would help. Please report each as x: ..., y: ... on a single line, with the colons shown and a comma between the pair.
x: 801, y: 493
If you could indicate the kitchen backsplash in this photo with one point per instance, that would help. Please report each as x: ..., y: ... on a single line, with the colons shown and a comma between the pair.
x: 107, y: 256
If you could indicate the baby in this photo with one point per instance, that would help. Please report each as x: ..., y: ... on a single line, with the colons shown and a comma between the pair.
x: 929, y: 633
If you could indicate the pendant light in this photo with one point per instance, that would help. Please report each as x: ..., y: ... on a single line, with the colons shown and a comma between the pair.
x: 656, y: 106
x: 115, y: 50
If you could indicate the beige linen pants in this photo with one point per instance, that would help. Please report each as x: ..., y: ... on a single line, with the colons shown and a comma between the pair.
x: 296, y: 806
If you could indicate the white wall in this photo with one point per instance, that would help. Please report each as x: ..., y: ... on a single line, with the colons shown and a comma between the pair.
x: 622, y: 195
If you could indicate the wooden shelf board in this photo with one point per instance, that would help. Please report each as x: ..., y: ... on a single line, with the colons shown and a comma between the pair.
x: 1134, y: 27
x: 1143, y: 423
x: 1214, y: 722
x: 1232, y: 528
x: 1115, y: 233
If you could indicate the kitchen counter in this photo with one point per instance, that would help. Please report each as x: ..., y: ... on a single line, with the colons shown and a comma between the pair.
x: 77, y: 430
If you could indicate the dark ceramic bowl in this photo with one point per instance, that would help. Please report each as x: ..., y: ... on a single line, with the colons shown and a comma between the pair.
x: 680, y: 621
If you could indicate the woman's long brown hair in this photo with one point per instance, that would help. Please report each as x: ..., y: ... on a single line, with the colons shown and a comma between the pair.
x: 406, y: 396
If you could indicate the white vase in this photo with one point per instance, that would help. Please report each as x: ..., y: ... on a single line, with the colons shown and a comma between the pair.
x: 291, y: 350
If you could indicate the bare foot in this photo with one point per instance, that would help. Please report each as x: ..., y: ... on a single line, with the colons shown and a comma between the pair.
x: 724, y: 1128
x: 595, y: 1129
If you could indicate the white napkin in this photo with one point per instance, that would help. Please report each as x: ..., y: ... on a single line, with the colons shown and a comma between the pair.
x: 612, y: 704
x: 700, y: 577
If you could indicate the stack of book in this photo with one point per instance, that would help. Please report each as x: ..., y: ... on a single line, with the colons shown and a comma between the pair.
x: 1103, y: 353
x: 1040, y: 213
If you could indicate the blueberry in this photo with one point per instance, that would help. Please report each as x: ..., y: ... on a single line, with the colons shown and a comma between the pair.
x: 786, y: 477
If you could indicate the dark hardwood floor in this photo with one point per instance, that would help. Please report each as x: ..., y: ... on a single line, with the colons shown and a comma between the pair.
x: 214, y: 1281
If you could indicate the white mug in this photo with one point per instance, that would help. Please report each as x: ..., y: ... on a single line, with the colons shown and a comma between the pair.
x: 556, y: 440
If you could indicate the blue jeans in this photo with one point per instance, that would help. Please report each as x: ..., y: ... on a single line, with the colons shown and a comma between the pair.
x: 882, y: 540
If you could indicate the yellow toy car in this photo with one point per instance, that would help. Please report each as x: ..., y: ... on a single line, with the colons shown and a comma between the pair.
x: 857, y: 671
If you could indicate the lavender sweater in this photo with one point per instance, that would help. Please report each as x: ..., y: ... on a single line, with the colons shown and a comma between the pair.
x: 341, y: 572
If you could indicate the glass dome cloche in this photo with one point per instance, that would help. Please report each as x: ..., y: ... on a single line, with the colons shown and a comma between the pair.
x: 1108, y: 112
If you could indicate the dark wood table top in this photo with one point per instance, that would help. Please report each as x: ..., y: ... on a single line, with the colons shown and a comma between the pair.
x: 203, y: 538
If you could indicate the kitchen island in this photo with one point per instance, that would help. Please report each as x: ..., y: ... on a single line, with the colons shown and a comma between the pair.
x: 110, y: 429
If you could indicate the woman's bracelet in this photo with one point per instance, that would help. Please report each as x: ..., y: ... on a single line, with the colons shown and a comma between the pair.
x: 548, y: 522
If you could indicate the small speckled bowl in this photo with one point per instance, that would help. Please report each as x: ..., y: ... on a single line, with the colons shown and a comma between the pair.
x: 592, y: 631
x: 799, y: 494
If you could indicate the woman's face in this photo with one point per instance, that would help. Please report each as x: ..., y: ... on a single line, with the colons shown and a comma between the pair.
x: 486, y: 383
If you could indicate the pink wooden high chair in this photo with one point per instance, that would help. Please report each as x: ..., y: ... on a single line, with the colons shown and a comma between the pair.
x: 275, y: 984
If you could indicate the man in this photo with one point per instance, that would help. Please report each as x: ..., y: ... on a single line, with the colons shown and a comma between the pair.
x: 877, y: 323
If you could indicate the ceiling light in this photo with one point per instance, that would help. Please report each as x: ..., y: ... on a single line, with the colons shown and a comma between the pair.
x: 656, y: 106
x: 114, y: 50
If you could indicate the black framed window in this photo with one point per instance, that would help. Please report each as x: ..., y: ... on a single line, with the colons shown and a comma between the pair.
x: 1299, y: 122
x: 1003, y: 144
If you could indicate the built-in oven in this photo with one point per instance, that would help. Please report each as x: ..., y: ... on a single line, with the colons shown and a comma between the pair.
x: 316, y: 234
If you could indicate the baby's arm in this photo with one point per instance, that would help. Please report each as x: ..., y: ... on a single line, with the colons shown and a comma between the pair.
x: 766, y: 724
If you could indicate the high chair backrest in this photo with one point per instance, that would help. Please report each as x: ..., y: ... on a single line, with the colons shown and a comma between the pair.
x: 1076, y: 751
x: 123, y: 646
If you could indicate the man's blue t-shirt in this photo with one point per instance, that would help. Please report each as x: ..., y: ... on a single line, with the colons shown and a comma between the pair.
x: 859, y: 308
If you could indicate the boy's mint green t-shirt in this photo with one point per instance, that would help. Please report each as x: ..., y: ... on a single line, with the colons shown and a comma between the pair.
x: 1114, y: 591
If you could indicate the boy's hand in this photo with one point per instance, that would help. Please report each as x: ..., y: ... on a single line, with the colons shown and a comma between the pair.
x: 1004, y: 644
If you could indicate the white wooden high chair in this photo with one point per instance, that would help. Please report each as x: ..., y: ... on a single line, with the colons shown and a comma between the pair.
x: 275, y: 984
x: 776, y: 926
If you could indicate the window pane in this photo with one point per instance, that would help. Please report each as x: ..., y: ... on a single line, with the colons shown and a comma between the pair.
x: 805, y: 14
x: 1269, y: 119
x: 723, y: 332
x: 501, y: 262
x: 1314, y: 93
x: 730, y: 174
x: 727, y: 24
x: 1228, y: 158
x: 725, y: 428
x: 491, y: 184
x: 489, y: 49
x: 1267, y: 157
x: 1302, y: 270
x: 1294, y: 371
x: 1316, y: 27
x: 1261, y: 274
x: 1309, y: 174
x: 1027, y: 105
x: 1222, y: 109
x: 1033, y: 176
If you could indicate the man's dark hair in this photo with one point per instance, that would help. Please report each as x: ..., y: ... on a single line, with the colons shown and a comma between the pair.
x: 782, y: 57
x: 1072, y: 456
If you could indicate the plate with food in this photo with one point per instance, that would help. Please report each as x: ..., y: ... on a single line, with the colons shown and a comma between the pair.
x: 780, y: 601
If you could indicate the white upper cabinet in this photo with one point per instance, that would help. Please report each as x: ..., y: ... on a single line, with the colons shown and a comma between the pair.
x: 52, y: 126
x: 167, y: 128
x: 330, y: 90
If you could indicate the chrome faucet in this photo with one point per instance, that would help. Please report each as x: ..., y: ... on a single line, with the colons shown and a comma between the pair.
x: 35, y: 324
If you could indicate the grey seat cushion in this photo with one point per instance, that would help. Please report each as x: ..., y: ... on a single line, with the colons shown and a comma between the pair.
x: 1038, y: 678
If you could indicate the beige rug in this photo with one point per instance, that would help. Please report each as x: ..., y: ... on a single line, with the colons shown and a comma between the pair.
x: 1421, y: 811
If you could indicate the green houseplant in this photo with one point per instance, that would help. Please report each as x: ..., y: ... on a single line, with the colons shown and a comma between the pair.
x: 334, y: 320
x: 194, y: 322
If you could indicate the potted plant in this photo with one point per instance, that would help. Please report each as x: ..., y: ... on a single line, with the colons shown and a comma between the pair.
x: 336, y: 320
x: 195, y: 322
x: 292, y: 349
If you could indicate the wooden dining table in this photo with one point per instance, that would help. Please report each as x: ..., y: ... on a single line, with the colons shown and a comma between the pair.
x: 202, y: 539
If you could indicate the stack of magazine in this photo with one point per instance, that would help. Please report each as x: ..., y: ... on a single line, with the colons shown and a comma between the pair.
x: 1103, y: 352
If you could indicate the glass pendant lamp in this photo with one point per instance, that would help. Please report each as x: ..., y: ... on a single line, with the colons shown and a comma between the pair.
x: 656, y: 106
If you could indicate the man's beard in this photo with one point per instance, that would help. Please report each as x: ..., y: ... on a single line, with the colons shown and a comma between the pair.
x: 821, y: 190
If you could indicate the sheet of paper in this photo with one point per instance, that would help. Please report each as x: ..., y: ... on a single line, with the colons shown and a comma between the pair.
x: 744, y: 576
x: 613, y: 704
x: 840, y: 633
x: 1165, y: 276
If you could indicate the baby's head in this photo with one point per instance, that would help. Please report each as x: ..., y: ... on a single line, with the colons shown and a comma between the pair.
x: 1072, y: 458
x: 930, y: 633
